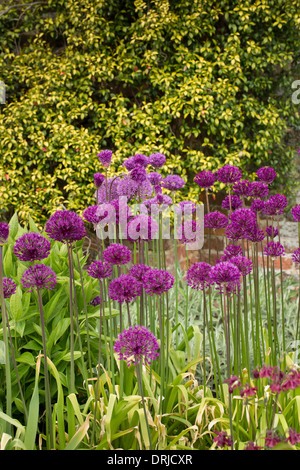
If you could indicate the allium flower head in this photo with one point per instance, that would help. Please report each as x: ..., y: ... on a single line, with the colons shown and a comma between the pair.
x: 259, y: 189
x: 157, y: 160
x: 140, y: 160
x: 266, y: 174
x: 98, y: 180
x: 198, y: 276
x: 129, y: 164
x: 99, y: 269
x: 274, y: 249
x: 296, y: 256
x: 130, y: 188
x: 215, y: 220
x: 205, y: 179
x: 139, y: 271
x: 137, y: 344
x: 96, y: 301
x: 155, y: 178
x: 242, y: 263
x: 295, y: 211
x: 31, y: 247
x: 187, y: 207
x: 38, y: 276
x: 105, y: 157
x: 9, y: 287
x: 65, y: 226
x: 226, y: 275
x: 141, y: 227
x: 233, y: 200
x: 111, y: 189
x: 231, y: 251
x: 276, y: 204
x: 158, y: 281
x: 242, y: 220
x: 254, y: 234
x: 124, y: 288
x: 117, y: 254
x: 242, y: 188
x: 138, y: 174
x: 173, y: 182
x: 272, y: 231
x: 189, y: 232
x: 229, y: 174
x: 257, y: 205
x: 4, y: 232
x: 94, y: 214
x: 158, y: 203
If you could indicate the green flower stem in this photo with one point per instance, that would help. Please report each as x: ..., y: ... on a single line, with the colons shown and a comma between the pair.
x: 227, y: 339
x: 99, y: 363
x: 6, y: 346
x: 72, y: 371
x: 140, y: 384
x: 46, y: 375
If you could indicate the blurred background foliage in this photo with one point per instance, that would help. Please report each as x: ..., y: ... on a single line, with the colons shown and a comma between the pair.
x: 204, y: 82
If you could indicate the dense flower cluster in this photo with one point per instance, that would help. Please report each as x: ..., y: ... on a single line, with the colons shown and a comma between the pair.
x: 9, y: 287
x: 141, y: 227
x: 158, y: 281
x: 232, y: 201
x: 38, y: 276
x: 198, y: 275
x: 157, y: 160
x: 4, y: 232
x: 65, y: 226
x: 266, y: 174
x: 117, y: 254
x: 229, y: 174
x: 226, y: 275
x: 124, y: 288
x: 31, y: 247
x: 99, y: 178
x: 99, y: 269
x: 189, y: 232
x: 173, y: 182
x: 137, y: 344
x: 274, y: 249
x: 205, y: 179
x: 215, y: 220
x: 105, y: 157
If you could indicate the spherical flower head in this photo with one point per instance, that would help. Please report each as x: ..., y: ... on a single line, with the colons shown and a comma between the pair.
x: 155, y: 178
x: 242, y: 188
x: 124, y: 288
x: 158, y: 281
x: 141, y: 227
x: 226, y: 275
x: 9, y: 287
x: 276, y: 203
x: 259, y: 189
x: 96, y: 301
x: 138, y: 174
x: 158, y: 203
x: 129, y: 188
x: 99, y: 269
x: 105, y: 157
x: 99, y: 178
x: 229, y: 174
x: 38, y: 276
x: 215, y: 220
x: 296, y: 256
x: 117, y: 254
x: 266, y: 174
x: 198, y: 276
x: 254, y: 234
x: 110, y: 190
x: 4, y: 232
x: 233, y: 200
x: 94, y: 214
x: 295, y: 211
x: 65, y: 226
x: 272, y: 231
x: 231, y: 251
x: 121, y: 210
x: 257, y: 205
x: 274, y: 249
x: 140, y: 160
x: 234, y: 232
x: 129, y: 163
x: 139, y: 271
x: 173, y: 182
x: 242, y: 221
x: 31, y: 247
x: 189, y: 232
x: 137, y: 344
x: 157, y: 160
x: 242, y: 263
x: 205, y: 179
x: 186, y: 207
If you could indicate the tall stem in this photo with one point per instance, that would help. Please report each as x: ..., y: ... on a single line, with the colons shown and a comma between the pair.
x: 72, y: 377
x: 140, y: 384
x: 99, y: 361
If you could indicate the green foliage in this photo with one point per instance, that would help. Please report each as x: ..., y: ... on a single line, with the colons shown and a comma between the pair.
x: 204, y: 83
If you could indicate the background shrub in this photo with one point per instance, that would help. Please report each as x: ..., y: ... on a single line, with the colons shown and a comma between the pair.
x: 205, y: 83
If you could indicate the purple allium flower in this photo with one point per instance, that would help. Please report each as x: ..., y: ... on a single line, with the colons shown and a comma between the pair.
x: 38, y: 276
x: 248, y: 391
x: 234, y: 232
x: 197, y: 276
x: 235, y: 201
x: 296, y: 256
x: 98, y: 180
x: 99, y: 269
x: 4, y: 232
x: 141, y: 227
x: 266, y: 174
x: 272, y: 439
x: 274, y: 249
x: 188, y: 207
x: 226, y: 275
x: 65, y: 226
x: 129, y: 188
x: 138, y: 174
x: 293, y: 437
x: 272, y: 231
x: 96, y: 301
x: 242, y: 188
x: 111, y: 189
x: 155, y: 178
x: 157, y: 160
x: 173, y: 182
x: 222, y: 439
x: 158, y: 203
x: 205, y: 179
x: 231, y: 251
x: 124, y: 288
x: 137, y: 344
x: 259, y: 189
x: 121, y: 209
x: 94, y: 214
x: 215, y: 220
x: 242, y: 220
x: 229, y: 174
x: 257, y: 205
x: 242, y: 263
x: 140, y: 160
x: 233, y: 382
x: 31, y: 247
x: 9, y: 287
x: 275, y: 205
x: 129, y: 163
x: 105, y: 157
x: 138, y: 271
x: 295, y: 211
x: 189, y: 232
x: 158, y: 281
x: 254, y: 234
x: 157, y: 189
x: 117, y: 254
